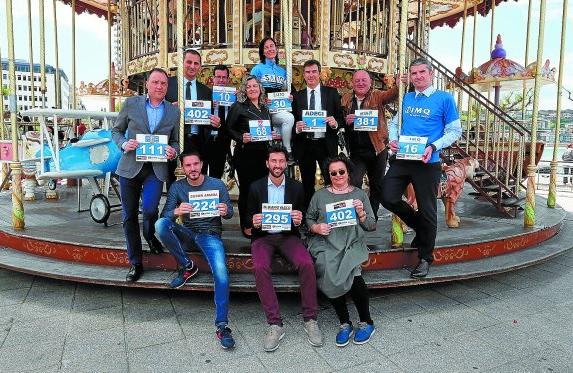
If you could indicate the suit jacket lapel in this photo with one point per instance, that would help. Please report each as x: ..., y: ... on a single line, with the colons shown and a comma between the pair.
x: 323, y: 99
x: 304, y: 101
x: 287, y: 198
x: 265, y: 191
x: 144, y: 112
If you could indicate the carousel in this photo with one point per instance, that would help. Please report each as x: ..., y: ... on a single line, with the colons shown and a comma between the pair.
x: 491, y: 221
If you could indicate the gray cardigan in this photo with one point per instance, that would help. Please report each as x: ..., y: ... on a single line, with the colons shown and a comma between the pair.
x: 339, y: 255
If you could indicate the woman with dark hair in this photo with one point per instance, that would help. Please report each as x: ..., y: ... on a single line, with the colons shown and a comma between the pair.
x: 249, y: 156
x: 273, y: 78
x: 338, y: 247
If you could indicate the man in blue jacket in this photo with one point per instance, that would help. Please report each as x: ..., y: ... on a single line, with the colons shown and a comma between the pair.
x: 431, y: 114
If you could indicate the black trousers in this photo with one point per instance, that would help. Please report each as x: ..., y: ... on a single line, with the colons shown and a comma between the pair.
x: 367, y: 162
x: 250, y: 166
x: 216, y: 150
x: 425, y: 178
x: 359, y: 294
x: 314, y: 151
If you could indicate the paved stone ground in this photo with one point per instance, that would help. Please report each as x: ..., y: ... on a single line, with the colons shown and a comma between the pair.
x: 521, y: 321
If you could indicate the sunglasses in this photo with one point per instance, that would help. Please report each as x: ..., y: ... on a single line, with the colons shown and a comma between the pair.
x: 340, y: 172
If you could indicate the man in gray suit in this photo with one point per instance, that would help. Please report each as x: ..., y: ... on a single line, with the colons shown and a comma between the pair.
x: 150, y: 115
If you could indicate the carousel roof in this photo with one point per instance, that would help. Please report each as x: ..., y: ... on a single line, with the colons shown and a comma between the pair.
x: 450, y: 12
x: 97, y: 7
x: 443, y: 12
x: 500, y: 71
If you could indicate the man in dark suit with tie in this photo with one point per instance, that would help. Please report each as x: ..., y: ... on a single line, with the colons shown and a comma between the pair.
x: 217, y: 139
x: 309, y: 148
x: 194, y: 90
x: 144, y: 115
x: 276, y: 188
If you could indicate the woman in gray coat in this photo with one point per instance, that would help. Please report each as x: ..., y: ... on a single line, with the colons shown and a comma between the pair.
x: 337, y: 216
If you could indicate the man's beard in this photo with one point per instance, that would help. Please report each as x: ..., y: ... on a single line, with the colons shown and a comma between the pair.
x: 281, y: 172
x: 191, y: 174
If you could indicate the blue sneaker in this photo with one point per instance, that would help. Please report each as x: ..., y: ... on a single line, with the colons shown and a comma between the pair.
x: 184, y: 275
x: 363, y: 333
x: 343, y: 336
x: 224, y: 336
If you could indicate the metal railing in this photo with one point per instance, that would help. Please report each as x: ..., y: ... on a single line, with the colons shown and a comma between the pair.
x: 360, y: 26
x: 143, y: 26
x: 209, y: 24
x: 491, y: 135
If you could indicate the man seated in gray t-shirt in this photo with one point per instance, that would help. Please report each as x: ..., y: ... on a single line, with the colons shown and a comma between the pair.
x: 200, y: 201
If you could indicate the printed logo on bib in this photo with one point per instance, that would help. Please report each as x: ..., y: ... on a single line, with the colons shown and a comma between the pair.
x: 260, y: 130
x: 366, y: 120
x: 197, y: 112
x: 276, y: 217
x: 411, y: 147
x: 314, y: 120
x: 340, y: 214
x: 151, y: 148
x: 204, y: 204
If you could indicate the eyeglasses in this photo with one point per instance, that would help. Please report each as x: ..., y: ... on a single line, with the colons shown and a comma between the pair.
x: 340, y: 172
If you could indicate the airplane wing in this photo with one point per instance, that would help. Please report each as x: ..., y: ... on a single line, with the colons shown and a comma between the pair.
x: 69, y: 174
x: 91, y: 142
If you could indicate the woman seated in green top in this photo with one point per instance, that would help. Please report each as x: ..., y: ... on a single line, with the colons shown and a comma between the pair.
x: 337, y: 217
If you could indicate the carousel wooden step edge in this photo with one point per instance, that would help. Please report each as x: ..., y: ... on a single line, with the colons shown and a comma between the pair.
x: 106, y: 275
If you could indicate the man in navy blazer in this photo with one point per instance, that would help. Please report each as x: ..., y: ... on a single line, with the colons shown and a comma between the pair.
x: 310, y: 148
x: 144, y: 115
x: 195, y: 136
x: 276, y: 188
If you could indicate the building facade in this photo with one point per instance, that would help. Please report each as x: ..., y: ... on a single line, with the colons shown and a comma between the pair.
x: 24, y: 86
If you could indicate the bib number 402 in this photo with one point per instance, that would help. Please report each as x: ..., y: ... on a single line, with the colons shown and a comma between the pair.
x: 340, y: 215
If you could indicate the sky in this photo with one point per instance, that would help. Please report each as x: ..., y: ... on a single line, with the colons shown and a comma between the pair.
x: 510, y: 22
x: 445, y: 42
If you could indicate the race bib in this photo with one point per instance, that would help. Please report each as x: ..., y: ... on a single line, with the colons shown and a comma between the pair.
x: 151, y: 148
x: 340, y: 214
x: 411, y: 147
x: 314, y: 120
x: 197, y: 112
x: 276, y: 217
x: 279, y: 102
x: 204, y: 204
x: 366, y: 120
x: 260, y: 130
x: 226, y: 96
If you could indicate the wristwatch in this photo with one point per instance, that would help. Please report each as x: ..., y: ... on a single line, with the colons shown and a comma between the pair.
x: 433, y: 147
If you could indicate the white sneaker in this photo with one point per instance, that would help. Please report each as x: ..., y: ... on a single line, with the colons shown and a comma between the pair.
x: 313, y: 332
x: 273, y: 337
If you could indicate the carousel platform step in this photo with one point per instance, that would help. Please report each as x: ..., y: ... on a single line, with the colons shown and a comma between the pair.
x: 513, y: 201
x: 115, y: 276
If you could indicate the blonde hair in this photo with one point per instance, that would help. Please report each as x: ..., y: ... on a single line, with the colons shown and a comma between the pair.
x: 242, y: 92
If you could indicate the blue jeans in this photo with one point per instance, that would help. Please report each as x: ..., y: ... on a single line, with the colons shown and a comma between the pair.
x: 149, y: 187
x: 177, y: 238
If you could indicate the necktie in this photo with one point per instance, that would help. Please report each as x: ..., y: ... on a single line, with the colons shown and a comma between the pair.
x: 189, y: 96
x: 311, y: 104
x: 188, y: 91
